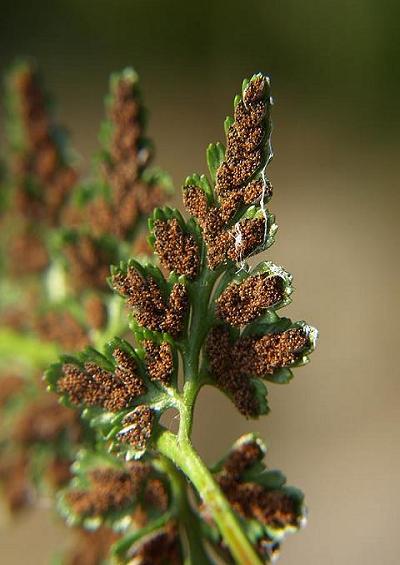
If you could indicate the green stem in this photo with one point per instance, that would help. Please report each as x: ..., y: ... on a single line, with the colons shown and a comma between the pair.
x: 199, y: 324
x: 197, y: 553
x: 186, y: 407
x: 179, y: 448
x: 185, y: 457
x: 120, y: 548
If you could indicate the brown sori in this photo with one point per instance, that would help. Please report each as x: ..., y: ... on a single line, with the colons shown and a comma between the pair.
x: 178, y: 251
x: 156, y: 495
x: 42, y: 158
x: 263, y: 355
x: 236, y: 384
x: 223, y: 242
x: 95, y: 386
x: 95, y: 312
x: 162, y: 546
x: 235, y: 186
x: 243, y: 302
x: 62, y: 328
x: 272, y: 507
x: 46, y: 421
x: 111, y: 489
x: 144, y: 296
x: 159, y: 361
x: 232, y: 363
x: 89, y: 263
x: 244, y: 151
x: 242, y: 457
x: 127, y: 372
x: 130, y: 195
x: 137, y: 427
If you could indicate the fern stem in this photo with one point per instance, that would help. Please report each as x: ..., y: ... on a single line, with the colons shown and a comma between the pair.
x: 197, y: 552
x: 186, y: 458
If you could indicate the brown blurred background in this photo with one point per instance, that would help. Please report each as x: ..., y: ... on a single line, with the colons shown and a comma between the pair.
x: 335, y: 429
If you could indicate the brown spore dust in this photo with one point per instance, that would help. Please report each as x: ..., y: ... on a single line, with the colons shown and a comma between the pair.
x: 244, y: 150
x: 42, y: 159
x: 139, y: 425
x: 46, y: 421
x: 232, y: 363
x: 62, y: 328
x: 237, y: 385
x: 152, y: 310
x: 95, y: 386
x: 241, y: 303
x: 127, y: 372
x: 224, y: 243
x: 263, y: 355
x: 159, y: 361
x: 156, y: 494
x: 242, y: 457
x: 160, y: 547
x: 95, y: 312
x: 177, y: 250
x: 89, y: 263
x: 110, y: 490
x: 128, y: 155
x: 272, y: 507
x: 245, y: 238
x: 236, y: 183
x: 252, y: 501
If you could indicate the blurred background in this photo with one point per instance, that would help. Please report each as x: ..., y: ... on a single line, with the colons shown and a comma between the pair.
x: 335, y: 429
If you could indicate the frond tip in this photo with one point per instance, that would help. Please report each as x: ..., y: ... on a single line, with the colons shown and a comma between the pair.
x: 43, y: 174
x: 240, y: 181
x: 133, y: 190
